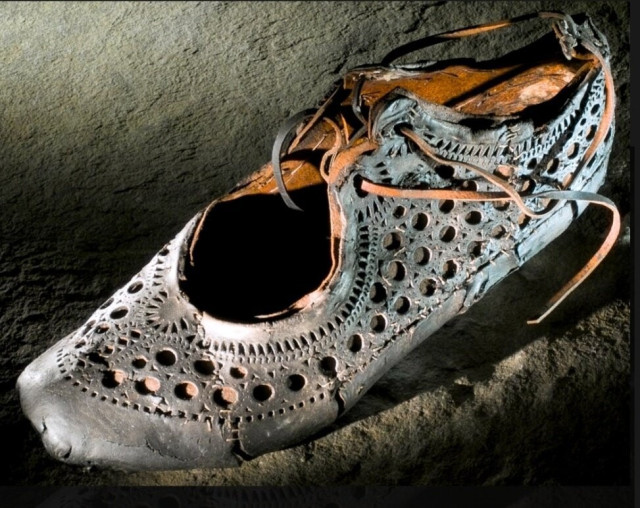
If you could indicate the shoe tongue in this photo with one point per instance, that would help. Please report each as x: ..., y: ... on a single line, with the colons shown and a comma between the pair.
x: 445, y: 123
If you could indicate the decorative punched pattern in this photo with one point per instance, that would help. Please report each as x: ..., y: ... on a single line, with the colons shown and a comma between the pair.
x: 146, y: 349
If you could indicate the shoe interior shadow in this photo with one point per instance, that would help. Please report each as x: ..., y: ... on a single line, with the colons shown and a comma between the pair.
x: 255, y: 256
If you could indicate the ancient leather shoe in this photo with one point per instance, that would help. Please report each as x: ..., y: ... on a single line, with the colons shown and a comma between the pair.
x: 421, y: 187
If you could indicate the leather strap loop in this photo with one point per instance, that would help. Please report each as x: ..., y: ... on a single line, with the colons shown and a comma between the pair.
x: 277, y: 152
x: 432, y: 40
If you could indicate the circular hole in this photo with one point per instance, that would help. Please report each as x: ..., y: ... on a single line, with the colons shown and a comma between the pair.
x: 473, y: 218
x: 447, y: 233
x: 591, y: 133
x: 377, y: 293
x: 238, y: 372
x: 474, y: 249
x: 96, y: 357
x: 392, y: 241
x: 498, y: 232
x: 544, y: 204
x: 532, y: 163
x: 419, y: 221
x: 595, y: 108
x: 421, y: 255
x: 164, y: 251
x: 573, y: 150
x: 204, y: 366
x: 357, y: 185
x: 119, y: 313
x: 225, y: 396
x: 329, y: 366
x: 135, y: 287
x: 553, y: 165
x: 148, y: 385
x: 470, y: 185
x: 396, y: 270
x: 295, y: 382
x: 186, y: 390
x: 166, y: 357
x: 401, y: 305
x: 378, y: 323
x: 428, y: 287
x: 135, y: 334
x: 399, y: 212
x: 446, y: 205
x: 139, y: 362
x: 528, y: 185
x: 113, y: 378
x: 102, y: 327
x: 504, y: 172
x: 449, y: 269
x: 523, y: 220
x: 262, y: 392
x: 501, y: 205
x: 355, y: 343
x: 444, y: 171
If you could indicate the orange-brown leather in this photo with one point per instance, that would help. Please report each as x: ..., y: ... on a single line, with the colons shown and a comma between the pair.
x: 528, y: 86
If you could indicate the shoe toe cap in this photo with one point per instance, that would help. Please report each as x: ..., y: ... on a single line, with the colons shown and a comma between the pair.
x: 87, y: 396
x: 78, y: 428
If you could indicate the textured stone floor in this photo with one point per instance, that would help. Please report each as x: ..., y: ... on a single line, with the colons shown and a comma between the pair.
x: 119, y: 121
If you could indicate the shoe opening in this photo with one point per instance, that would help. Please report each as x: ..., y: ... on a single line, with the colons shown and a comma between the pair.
x: 254, y: 256
x: 529, y: 78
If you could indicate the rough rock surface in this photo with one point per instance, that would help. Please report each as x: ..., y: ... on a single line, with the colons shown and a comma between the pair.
x: 121, y: 120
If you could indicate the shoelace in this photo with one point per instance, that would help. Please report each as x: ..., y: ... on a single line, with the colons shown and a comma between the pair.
x: 345, y: 152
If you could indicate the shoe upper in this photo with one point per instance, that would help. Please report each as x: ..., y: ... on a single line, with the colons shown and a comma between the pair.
x: 154, y: 380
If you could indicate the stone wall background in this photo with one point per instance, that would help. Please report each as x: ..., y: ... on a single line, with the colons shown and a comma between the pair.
x: 119, y: 121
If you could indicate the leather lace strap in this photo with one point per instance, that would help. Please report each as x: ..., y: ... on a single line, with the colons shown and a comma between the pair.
x: 277, y: 152
x: 432, y: 40
x: 568, y: 31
